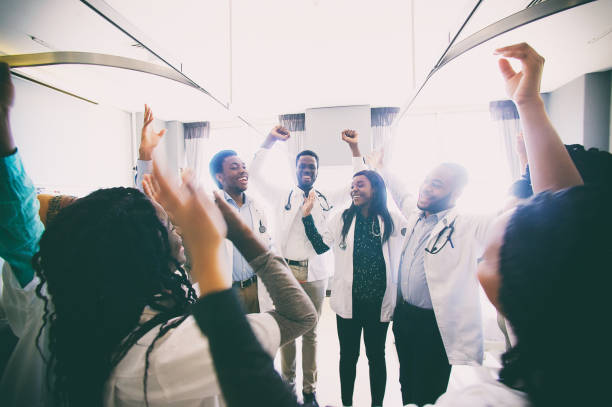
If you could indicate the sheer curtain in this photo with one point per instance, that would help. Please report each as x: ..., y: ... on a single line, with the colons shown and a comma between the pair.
x: 195, y: 135
x: 381, y: 119
x: 505, y: 115
x: 296, y: 124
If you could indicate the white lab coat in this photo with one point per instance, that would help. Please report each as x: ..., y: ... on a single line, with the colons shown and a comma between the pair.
x: 451, y: 277
x: 260, y: 222
x: 341, y: 299
x: 181, y: 370
x: 320, y: 267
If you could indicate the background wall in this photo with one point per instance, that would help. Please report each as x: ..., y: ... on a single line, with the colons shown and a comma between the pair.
x: 581, y: 111
x: 68, y: 145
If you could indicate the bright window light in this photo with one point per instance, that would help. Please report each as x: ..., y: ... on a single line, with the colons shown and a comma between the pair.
x: 471, y: 139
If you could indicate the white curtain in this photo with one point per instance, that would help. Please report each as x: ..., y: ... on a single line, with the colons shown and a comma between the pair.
x: 381, y: 120
x: 195, y: 136
x: 296, y: 124
x: 504, y: 113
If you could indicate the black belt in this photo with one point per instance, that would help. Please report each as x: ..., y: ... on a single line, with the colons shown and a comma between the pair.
x: 245, y: 283
x: 303, y: 263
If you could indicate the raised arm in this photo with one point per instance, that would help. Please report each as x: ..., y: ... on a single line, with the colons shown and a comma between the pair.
x: 20, y: 225
x: 312, y: 233
x: 267, y: 188
x: 294, y: 312
x: 149, y: 140
x: 342, y: 192
x: 404, y: 199
x: 549, y: 163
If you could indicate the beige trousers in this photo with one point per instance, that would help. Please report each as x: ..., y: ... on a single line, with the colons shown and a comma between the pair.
x: 316, y: 292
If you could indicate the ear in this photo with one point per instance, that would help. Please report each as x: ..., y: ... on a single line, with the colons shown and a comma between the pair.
x: 219, y: 178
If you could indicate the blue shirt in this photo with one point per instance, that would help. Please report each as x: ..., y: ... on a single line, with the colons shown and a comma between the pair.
x: 20, y: 226
x: 241, y: 269
x: 412, y: 280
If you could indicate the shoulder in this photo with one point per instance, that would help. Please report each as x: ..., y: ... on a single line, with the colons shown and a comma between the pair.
x: 489, y: 393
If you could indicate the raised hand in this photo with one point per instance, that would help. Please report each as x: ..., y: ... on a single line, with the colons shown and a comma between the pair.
x: 202, y: 225
x: 308, y: 203
x: 7, y: 90
x: 7, y: 95
x: 523, y: 86
x: 149, y: 139
x: 278, y: 133
x: 351, y: 137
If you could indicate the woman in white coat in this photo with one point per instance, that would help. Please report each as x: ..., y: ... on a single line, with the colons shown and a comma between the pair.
x: 364, y: 286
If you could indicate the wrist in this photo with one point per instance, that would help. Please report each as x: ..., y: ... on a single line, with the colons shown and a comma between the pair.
x: 529, y: 102
x: 268, y: 142
x: 355, y: 150
x: 145, y: 154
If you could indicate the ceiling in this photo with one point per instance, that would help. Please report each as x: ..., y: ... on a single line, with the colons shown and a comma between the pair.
x: 271, y: 57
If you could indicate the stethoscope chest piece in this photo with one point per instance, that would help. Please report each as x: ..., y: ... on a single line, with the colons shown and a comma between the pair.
x: 342, y: 245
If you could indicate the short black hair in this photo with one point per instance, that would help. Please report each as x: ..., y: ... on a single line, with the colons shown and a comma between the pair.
x: 307, y: 152
x: 555, y: 278
x: 216, y: 164
x: 460, y: 173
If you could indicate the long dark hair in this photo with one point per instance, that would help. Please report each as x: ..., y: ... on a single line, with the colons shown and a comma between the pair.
x: 104, y: 259
x: 555, y: 281
x: 378, y: 205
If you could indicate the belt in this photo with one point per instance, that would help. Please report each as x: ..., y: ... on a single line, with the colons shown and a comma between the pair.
x: 245, y: 283
x: 303, y: 263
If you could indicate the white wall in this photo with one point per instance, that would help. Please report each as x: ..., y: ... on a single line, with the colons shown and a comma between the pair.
x: 68, y: 145
x: 566, y: 110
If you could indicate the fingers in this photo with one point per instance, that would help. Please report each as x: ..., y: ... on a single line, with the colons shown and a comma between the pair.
x: 150, y: 187
x: 167, y: 194
x: 349, y: 135
x: 280, y: 132
x: 506, y: 69
x: 523, y: 52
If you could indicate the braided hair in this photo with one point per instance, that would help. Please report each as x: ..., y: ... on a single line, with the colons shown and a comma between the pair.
x: 101, y: 262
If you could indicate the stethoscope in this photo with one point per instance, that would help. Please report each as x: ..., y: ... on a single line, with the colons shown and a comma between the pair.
x: 326, y: 208
x: 342, y: 243
x: 445, y: 234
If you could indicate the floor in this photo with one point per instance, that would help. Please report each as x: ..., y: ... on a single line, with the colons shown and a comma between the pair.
x: 328, y: 389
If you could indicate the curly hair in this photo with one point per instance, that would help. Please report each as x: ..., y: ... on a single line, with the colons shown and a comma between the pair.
x: 377, y: 207
x: 555, y: 279
x: 103, y: 260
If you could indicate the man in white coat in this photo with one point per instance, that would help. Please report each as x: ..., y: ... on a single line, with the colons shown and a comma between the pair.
x: 437, y: 319
x: 305, y: 258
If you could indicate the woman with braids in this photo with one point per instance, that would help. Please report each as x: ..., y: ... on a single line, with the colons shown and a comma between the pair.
x: 103, y: 315
x: 367, y: 239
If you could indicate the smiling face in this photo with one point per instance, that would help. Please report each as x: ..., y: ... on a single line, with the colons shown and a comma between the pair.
x: 306, y: 171
x: 361, y: 191
x: 438, y: 192
x: 235, y: 177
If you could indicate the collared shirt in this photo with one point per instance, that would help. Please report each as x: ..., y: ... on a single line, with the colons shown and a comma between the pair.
x: 413, y: 282
x: 241, y: 268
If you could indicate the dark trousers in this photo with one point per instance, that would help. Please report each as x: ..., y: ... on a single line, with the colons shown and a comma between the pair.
x: 424, y: 367
x: 374, y: 337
